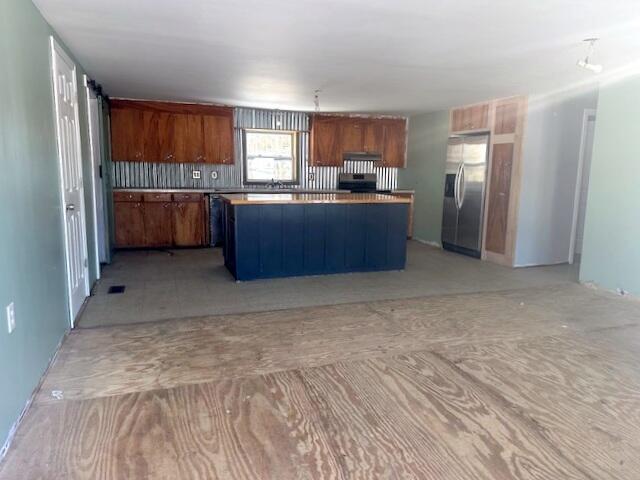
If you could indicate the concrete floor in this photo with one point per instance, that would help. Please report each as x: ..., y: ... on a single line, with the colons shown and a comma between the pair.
x: 189, y: 283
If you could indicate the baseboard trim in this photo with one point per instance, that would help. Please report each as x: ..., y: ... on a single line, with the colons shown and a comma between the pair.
x: 428, y: 242
x: 16, y: 424
x: 548, y: 264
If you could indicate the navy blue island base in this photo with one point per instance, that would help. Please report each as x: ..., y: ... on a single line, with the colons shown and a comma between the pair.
x: 269, y: 240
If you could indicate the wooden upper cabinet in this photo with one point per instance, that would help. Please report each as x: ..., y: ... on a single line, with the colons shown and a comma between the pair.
x: 326, y: 145
x: 218, y: 138
x: 127, y: 130
x: 188, y: 138
x: 473, y: 117
x: 506, y: 117
x: 167, y: 148
x: 373, y: 136
x: 151, y: 136
x: 457, y: 119
x: 171, y: 132
x: 352, y: 131
x: 362, y: 135
x: 333, y: 136
x: 395, y: 143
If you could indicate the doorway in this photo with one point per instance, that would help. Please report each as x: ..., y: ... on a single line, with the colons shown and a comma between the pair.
x: 65, y: 92
x: 582, y: 185
x: 94, y: 114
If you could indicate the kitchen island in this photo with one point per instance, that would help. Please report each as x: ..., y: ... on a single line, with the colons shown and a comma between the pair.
x: 293, y: 234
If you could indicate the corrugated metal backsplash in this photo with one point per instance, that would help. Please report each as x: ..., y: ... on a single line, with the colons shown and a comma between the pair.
x: 179, y: 175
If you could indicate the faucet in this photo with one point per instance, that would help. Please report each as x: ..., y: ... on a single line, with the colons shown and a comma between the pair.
x: 276, y: 184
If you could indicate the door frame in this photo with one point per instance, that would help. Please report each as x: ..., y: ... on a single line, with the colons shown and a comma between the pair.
x: 588, y: 112
x: 98, y: 217
x: 56, y: 49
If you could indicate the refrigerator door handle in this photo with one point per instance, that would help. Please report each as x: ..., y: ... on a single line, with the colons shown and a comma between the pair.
x: 461, y: 187
x: 456, y: 188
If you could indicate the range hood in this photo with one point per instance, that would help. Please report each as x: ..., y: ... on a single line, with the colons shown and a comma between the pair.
x: 361, y: 157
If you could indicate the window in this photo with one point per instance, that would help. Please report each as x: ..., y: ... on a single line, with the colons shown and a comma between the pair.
x: 270, y: 155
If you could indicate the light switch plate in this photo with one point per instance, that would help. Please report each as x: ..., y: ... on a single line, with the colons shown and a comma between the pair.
x: 195, y: 174
x: 11, y: 318
x: 214, y: 175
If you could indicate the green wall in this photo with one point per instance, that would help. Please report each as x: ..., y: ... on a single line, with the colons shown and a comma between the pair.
x: 426, y: 158
x: 32, y: 272
x: 611, y: 251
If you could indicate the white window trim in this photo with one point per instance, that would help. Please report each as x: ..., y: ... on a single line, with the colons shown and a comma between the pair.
x: 295, y: 156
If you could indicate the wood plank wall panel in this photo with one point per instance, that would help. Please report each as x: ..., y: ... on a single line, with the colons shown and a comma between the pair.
x: 499, y: 194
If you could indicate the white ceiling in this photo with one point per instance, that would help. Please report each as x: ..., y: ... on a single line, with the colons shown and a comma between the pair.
x: 365, y: 55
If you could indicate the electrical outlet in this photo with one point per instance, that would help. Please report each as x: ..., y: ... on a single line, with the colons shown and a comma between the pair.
x: 11, y: 317
x: 195, y: 174
x: 312, y: 177
x: 214, y: 175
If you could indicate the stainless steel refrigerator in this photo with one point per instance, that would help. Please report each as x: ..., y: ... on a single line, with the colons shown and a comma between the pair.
x: 464, y: 191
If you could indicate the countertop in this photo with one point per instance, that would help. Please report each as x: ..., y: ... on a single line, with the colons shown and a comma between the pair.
x: 223, y: 190
x: 228, y: 190
x: 307, y: 198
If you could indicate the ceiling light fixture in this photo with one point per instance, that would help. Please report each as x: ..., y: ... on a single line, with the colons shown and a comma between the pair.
x: 316, y: 100
x: 586, y: 62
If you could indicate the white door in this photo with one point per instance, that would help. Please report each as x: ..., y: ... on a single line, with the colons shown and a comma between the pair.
x: 96, y: 177
x: 70, y: 161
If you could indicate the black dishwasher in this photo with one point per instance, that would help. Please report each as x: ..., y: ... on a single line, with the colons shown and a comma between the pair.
x: 216, y: 227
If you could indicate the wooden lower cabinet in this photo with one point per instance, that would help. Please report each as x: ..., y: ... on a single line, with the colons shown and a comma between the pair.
x: 159, y: 220
x: 188, y: 224
x: 129, y: 224
x: 157, y: 224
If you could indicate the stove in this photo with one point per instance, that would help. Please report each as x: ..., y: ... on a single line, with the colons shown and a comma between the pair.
x: 359, y: 183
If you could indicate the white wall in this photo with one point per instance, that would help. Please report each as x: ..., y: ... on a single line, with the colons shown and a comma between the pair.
x: 550, y: 164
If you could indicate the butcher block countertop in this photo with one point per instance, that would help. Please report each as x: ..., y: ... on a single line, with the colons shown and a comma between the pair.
x: 307, y: 198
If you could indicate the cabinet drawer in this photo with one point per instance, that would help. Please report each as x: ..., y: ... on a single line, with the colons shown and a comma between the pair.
x: 157, y: 197
x: 187, y: 197
x: 127, y: 197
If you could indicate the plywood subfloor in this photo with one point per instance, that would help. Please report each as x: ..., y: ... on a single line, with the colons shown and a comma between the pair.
x: 522, y: 384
